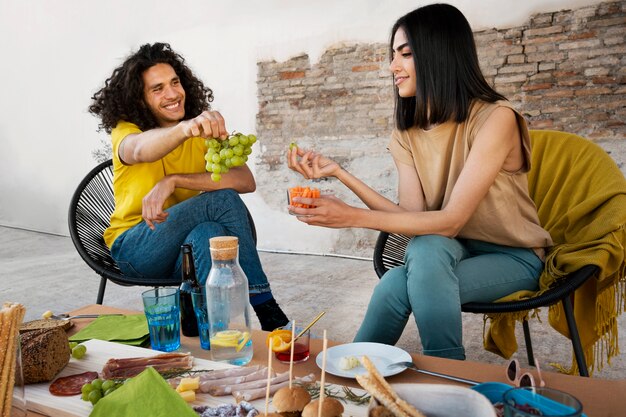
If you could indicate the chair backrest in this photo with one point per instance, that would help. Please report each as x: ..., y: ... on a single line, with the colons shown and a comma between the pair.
x: 89, y: 216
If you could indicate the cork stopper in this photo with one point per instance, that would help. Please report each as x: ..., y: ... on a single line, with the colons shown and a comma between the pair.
x: 224, y: 248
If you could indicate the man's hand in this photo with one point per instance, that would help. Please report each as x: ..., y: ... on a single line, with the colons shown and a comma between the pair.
x: 208, y: 124
x: 154, y: 144
x: 152, y: 204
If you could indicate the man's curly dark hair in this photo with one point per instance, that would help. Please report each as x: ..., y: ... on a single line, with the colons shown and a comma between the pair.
x: 122, y: 97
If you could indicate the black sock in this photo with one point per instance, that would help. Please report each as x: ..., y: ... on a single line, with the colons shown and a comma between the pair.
x: 270, y: 315
x: 256, y: 299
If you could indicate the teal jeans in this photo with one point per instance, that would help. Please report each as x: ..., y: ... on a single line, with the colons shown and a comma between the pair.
x: 439, y: 275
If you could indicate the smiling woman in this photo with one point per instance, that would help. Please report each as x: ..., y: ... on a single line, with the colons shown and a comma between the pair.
x: 460, y: 150
x: 402, y: 65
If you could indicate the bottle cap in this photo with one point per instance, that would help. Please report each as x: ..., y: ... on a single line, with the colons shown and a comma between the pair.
x: 224, y: 247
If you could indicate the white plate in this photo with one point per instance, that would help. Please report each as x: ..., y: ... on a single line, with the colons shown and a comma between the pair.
x: 442, y: 400
x: 381, y: 355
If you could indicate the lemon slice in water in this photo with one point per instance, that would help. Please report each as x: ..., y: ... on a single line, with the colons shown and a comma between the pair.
x: 246, y: 337
x: 228, y: 334
x: 226, y: 338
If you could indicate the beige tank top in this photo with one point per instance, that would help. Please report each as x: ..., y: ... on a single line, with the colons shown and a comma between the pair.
x: 507, y: 215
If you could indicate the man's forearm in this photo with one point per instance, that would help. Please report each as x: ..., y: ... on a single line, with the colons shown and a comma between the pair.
x: 239, y: 179
x: 151, y: 145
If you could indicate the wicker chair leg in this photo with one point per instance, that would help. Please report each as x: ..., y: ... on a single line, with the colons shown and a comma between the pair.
x: 103, y: 284
x: 579, y: 354
x: 529, y: 343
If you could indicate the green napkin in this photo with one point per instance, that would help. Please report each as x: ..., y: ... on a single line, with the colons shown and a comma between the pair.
x: 129, y: 330
x: 147, y: 394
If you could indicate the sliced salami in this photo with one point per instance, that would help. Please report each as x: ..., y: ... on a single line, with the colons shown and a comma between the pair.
x: 71, y: 384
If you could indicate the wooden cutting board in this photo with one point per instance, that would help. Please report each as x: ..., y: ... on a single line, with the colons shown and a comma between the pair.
x: 39, y: 399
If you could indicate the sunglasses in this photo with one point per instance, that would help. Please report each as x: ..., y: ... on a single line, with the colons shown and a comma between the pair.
x: 516, y: 377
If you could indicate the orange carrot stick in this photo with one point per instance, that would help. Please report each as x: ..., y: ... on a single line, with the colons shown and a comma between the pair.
x: 305, y: 194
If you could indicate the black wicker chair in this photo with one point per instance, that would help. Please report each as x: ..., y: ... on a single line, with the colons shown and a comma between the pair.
x: 89, y: 216
x: 389, y: 253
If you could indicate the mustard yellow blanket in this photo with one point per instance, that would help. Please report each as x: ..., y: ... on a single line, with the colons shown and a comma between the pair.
x: 580, y: 195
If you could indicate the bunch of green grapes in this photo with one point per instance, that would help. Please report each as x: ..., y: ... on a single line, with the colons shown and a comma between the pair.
x: 93, y: 391
x: 228, y: 153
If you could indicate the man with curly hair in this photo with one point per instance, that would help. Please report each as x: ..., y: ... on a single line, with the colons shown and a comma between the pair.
x: 158, y: 114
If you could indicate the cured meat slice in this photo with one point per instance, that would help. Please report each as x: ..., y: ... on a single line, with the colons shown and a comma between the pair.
x: 217, y: 390
x: 221, y: 374
x: 210, y: 385
x: 129, y: 367
x: 71, y: 384
x: 229, y: 372
x: 255, y: 393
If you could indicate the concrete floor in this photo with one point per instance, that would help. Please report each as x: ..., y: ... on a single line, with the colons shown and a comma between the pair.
x: 44, y: 272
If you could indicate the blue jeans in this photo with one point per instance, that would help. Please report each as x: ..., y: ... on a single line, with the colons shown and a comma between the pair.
x: 440, y: 274
x: 153, y: 254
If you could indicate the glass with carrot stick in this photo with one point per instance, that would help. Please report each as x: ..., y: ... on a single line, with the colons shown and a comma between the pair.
x: 304, y: 192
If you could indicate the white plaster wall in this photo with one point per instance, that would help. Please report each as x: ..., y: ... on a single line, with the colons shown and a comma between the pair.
x: 56, y: 54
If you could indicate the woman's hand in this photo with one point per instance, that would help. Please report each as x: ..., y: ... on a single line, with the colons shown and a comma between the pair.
x: 311, y: 164
x: 329, y: 212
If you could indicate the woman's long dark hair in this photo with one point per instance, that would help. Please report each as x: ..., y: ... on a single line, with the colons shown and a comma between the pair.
x: 122, y: 97
x: 446, y: 65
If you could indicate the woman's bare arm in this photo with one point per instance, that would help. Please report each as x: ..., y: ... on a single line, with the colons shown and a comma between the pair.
x: 495, y: 142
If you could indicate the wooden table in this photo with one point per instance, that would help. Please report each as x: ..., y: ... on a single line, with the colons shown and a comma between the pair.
x: 600, y: 398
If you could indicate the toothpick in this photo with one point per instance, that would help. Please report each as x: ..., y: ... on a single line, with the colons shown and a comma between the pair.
x: 323, y: 380
x: 269, y: 376
x: 293, y: 335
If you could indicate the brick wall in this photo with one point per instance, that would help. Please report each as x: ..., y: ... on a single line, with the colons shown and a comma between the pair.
x: 564, y: 70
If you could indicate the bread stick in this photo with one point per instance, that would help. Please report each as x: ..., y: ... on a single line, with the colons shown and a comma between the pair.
x: 380, y: 389
x: 381, y: 395
x: 12, y: 315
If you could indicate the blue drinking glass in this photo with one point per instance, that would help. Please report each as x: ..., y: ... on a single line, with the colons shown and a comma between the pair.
x: 162, y: 309
x: 200, y: 307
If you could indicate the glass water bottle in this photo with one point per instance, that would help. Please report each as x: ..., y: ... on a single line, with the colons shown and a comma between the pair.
x: 228, y: 304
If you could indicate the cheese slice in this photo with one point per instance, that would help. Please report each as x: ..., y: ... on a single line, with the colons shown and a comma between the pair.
x: 188, y: 396
x: 188, y: 384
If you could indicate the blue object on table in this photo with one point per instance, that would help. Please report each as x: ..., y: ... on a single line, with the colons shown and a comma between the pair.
x: 200, y: 308
x: 494, y: 391
x: 162, y: 309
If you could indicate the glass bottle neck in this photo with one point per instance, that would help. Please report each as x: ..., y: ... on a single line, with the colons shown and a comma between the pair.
x: 224, y: 262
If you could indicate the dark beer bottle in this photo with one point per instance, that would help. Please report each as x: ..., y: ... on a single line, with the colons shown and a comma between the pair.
x: 188, y: 321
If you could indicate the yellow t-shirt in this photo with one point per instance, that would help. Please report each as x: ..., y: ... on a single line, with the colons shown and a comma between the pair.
x: 131, y: 183
x: 506, y: 215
